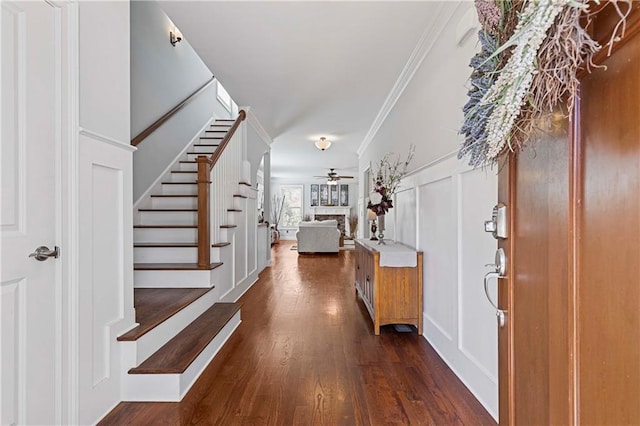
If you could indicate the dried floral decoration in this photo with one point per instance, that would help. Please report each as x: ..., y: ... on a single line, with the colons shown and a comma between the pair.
x: 386, y: 181
x: 516, y: 85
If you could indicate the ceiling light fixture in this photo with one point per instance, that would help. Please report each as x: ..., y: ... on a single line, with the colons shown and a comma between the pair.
x: 322, y: 144
x: 331, y: 182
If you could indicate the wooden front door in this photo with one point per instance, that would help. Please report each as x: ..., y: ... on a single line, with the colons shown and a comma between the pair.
x: 570, y: 352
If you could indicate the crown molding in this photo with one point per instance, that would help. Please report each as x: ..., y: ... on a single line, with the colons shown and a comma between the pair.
x: 426, y: 42
x: 255, y: 124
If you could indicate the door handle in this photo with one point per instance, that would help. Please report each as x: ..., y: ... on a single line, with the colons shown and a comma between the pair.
x: 500, y: 269
x: 43, y: 253
x: 500, y: 313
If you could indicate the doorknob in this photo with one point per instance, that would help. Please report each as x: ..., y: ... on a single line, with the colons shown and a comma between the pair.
x: 43, y: 253
x: 500, y: 269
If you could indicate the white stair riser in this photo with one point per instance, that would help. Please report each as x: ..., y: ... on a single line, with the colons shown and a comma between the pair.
x: 204, y: 148
x: 174, y: 202
x: 173, y: 387
x: 184, y: 177
x: 180, y: 189
x: 168, y: 218
x: 161, y: 235
x: 172, y: 279
x: 165, y: 254
x: 188, y: 167
x: 193, y: 157
x: 170, y: 254
x: 215, y: 133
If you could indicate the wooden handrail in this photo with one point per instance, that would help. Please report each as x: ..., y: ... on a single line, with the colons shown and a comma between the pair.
x: 223, y: 144
x: 159, y: 122
x: 205, y: 164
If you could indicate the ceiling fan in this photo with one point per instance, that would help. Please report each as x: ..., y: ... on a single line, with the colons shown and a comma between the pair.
x: 332, y: 176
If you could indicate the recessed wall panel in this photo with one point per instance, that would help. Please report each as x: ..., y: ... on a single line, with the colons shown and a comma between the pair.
x: 107, y: 262
x: 477, y: 323
x: 405, y: 210
x: 438, y: 235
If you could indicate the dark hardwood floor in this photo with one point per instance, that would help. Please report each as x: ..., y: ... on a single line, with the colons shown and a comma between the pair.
x: 305, y: 354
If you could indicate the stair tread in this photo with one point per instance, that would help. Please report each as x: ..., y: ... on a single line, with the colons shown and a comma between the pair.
x: 211, y: 137
x: 220, y: 244
x: 183, y: 171
x: 173, y: 266
x: 240, y: 196
x: 228, y: 226
x: 155, y: 305
x: 179, y: 183
x: 167, y: 210
x: 206, y: 144
x: 245, y: 183
x: 180, y: 352
x: 176, y: 195
x: 234, y: 210
x: 203, y: 154
x: 165, y: 226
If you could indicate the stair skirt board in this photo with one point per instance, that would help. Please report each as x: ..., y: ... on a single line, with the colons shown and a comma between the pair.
x: 173, y: 387
x: 154, y: 339
x: 174, y: 279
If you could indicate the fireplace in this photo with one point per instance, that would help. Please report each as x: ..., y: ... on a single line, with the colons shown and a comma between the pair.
x: 338, y: 217
x: 341, y: 214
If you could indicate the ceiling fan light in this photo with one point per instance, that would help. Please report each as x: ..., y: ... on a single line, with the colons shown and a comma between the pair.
x: 322, y: 144
x: 331, y: 182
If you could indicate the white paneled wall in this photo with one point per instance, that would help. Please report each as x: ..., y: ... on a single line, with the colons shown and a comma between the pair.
x: 105, y: 295
x: 441, y: 211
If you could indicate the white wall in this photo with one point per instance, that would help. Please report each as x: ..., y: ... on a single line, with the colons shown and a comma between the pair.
x: 161, y: 77
x: 443, y: 203
x: 103, y: 304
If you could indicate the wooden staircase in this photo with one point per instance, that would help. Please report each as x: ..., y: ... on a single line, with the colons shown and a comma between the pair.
x: 181, y: 325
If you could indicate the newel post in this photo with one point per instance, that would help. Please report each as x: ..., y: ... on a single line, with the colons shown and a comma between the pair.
x: 204, y: 218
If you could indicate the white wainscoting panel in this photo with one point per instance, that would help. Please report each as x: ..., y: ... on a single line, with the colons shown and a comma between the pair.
x: 439, y: 234
x: 252, y: 235
x: 405, y: 211
x: 476, y: 250
x: 451, y: 202
x: 106, y: 260
x: 105, y: 295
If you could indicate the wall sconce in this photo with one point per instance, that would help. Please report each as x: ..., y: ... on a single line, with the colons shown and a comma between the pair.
x: 323, y: 144
x: 174, y: 38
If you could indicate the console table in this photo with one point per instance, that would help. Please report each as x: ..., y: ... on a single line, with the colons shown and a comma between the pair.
x: 389, y: 281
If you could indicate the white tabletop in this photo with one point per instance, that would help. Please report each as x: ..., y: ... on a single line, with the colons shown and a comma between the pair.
x: 392, y: 254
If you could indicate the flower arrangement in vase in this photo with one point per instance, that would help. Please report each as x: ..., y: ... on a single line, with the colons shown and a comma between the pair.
x: 386, y: 181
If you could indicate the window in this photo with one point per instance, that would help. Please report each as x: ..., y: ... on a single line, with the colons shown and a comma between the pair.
x: 224, y: 97
x: 292, y: 209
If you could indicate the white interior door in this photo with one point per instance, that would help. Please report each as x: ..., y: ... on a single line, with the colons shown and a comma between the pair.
x: 30, y: 289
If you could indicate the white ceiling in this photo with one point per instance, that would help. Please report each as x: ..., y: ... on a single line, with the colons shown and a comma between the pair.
x: 307, y: 69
